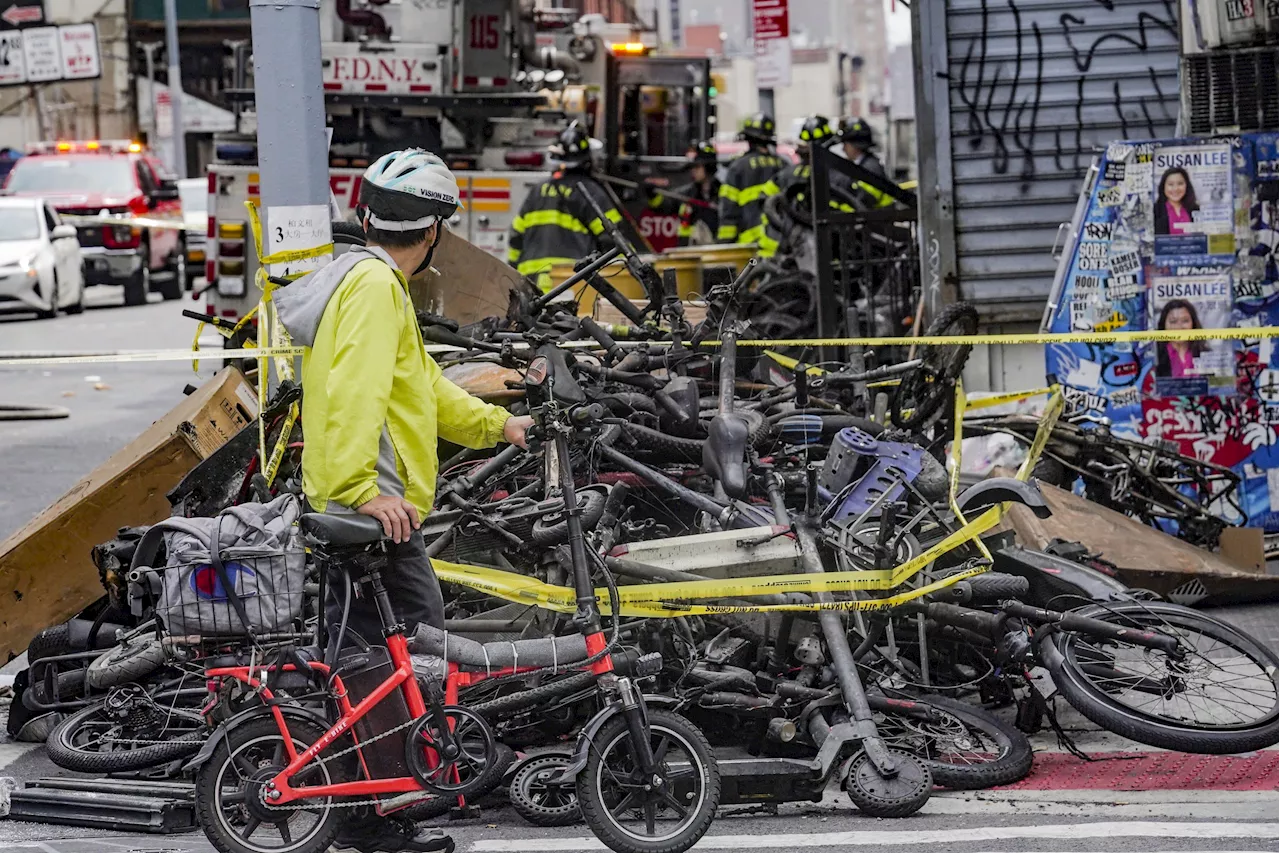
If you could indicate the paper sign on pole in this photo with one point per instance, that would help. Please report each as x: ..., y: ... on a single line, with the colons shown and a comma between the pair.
x: 296, y: 227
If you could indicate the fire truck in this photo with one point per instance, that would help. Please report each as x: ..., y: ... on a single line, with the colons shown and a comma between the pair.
x: 488, y: 97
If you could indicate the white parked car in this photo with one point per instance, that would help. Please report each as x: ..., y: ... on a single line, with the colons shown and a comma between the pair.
x: 40, y: 266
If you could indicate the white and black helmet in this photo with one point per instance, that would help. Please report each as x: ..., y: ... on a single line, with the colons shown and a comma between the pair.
x: 408, y: 190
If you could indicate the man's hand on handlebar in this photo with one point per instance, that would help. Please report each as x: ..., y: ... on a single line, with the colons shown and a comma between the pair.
x: 515, y: 430
x: 399, y: 517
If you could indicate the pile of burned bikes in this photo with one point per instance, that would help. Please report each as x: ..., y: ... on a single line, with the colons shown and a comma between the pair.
x: 717, y: 576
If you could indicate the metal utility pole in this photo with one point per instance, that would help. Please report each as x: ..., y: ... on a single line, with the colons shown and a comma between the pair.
x: 149, y: 48
x: 293, y: 156
x: 175, y: 87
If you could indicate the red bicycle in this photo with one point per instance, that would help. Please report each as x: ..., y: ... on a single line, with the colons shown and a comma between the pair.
x: 279, y: 777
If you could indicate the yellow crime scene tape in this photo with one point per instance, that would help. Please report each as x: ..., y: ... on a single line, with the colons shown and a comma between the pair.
x: 673, y: 599
x: 137, y: 356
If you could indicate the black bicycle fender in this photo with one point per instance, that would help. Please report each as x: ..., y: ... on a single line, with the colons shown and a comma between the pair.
x: 237, y: 720
x: 998, y: 490
x: 582, y: 749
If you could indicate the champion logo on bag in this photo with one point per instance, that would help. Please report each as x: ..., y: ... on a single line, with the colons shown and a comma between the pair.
x: 206, y: 583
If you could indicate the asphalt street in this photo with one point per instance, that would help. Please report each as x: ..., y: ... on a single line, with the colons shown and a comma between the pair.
x: 1100, y: 808
x: 110, y: 404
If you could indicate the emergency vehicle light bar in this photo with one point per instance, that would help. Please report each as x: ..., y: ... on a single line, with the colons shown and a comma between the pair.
x: 630, y: 48
x: 63, y: 146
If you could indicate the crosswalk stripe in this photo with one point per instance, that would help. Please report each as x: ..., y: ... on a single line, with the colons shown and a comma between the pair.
x: 791, y: 841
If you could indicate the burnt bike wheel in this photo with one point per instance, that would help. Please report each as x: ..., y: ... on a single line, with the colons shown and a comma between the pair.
x: 672, y: 814
x: 1216, y: 696
x: 539, y: 800
x: 231, y: 804
x: 923, y: 391
x: 965, y: 748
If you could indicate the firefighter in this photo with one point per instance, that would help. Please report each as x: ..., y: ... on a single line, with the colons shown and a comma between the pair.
x: 556, y: 223
x: 704, y: 188
x: 859, y: 144
x: 816, y: 130
x: 742, y: 193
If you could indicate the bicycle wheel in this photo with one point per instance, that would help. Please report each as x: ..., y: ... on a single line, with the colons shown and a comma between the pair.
x: 669, y: 817
x: 1217, y: 697
x: 536, y: 799
x: 927, y: 388
x: 134, y: 736
x: 966, y: 748
x: 230, y: 805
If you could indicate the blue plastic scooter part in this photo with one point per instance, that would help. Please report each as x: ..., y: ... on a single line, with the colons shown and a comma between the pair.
x: 801, y: 429
x: 849, y: 451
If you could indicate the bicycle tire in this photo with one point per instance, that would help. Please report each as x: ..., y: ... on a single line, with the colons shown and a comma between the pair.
x: 1011, y: 763
x: 132, y: 660
x: 548, y: 809
x: 66, y: 754
x: 495, y: 708
x: 591, y: 780
x: 923, y: 391
x: 1062, y: 652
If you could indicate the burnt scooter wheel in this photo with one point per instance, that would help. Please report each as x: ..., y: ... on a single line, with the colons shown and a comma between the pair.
x: 537, y: 799
x: 898, y: 796
x: 679, y: 804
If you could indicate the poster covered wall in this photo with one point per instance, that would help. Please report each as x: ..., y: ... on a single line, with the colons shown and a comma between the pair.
x: 1181, y: 234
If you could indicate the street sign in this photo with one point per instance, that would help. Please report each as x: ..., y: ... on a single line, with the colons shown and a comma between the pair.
x: 48, y: 54
x: 12, y: 68
x: 770, y: 20
x: 15, y: 14
x: 773, y: 63
x: 80, y: 59
x: 43, y: 54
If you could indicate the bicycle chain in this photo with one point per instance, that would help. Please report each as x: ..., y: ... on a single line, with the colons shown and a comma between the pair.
x: 321, y: 761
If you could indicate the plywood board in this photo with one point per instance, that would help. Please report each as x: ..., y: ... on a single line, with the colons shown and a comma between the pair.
x: 1146, y: 557
x: 469, y: 283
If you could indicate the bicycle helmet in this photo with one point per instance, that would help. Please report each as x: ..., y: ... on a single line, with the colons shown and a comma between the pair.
x: 407, y: 190
x: 572, y: 147
x: 857, y: 132
x: 758, y: 128
x: 816, y: 130
x: 703, y: 154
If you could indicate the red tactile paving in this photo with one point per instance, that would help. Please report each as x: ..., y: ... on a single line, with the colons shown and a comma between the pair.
x: 1152, y: 771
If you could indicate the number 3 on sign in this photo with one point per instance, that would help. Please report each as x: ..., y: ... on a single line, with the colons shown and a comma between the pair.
x: 297, y: 228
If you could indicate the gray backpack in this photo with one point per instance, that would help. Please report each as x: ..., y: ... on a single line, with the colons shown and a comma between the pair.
x: 240, y: 573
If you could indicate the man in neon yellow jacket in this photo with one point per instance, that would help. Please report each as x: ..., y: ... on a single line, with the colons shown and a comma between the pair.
x: 374, y: 401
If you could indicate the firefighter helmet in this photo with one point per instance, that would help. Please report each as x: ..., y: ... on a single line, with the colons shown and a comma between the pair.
x: 816, y: 130
x: 573, y: 146
x: 857, y: 132
x: 758, y: 128
x: 703, y: 153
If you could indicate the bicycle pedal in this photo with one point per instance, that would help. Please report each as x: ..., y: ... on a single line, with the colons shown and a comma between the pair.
x: 649, y: 664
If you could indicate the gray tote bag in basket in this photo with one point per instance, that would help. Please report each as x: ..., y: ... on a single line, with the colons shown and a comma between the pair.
x: 237, y: 574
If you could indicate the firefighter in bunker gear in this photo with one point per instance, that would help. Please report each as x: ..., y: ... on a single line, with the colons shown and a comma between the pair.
x: 859, y: 144
x: 794, y: 180
x: 742, y: 193
x: 704, y: 188
x: 556, y: 223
